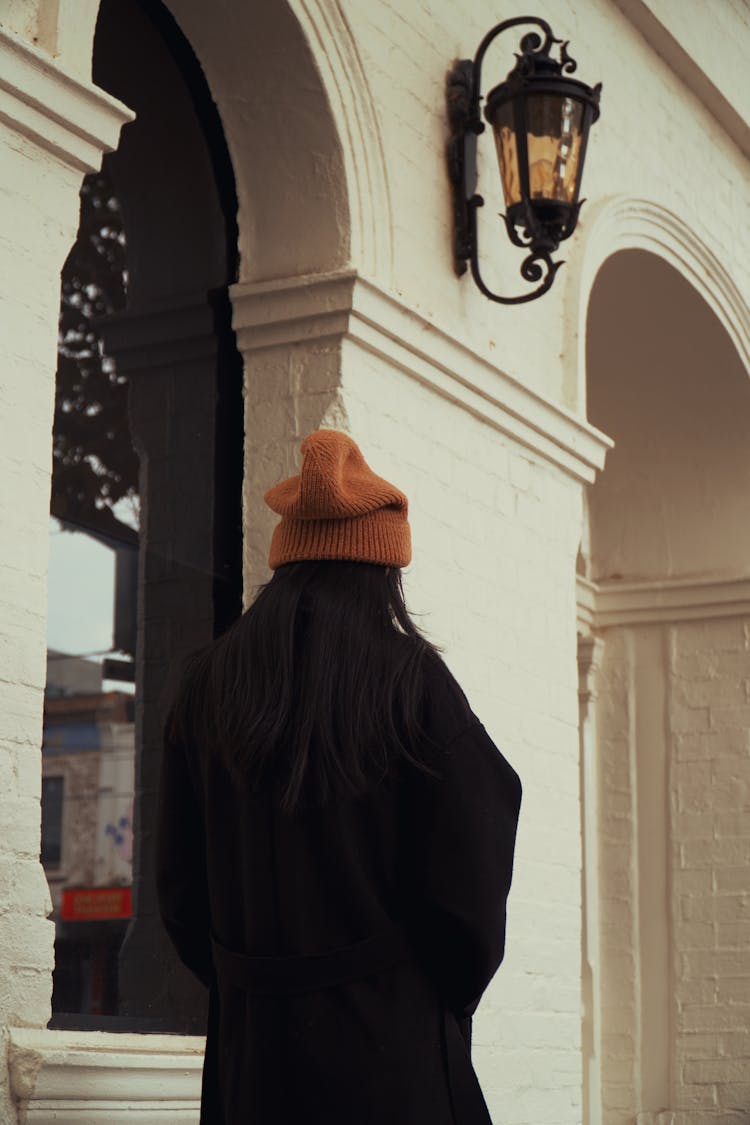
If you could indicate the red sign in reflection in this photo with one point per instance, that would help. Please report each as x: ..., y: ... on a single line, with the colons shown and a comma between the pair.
x: 95, y: 903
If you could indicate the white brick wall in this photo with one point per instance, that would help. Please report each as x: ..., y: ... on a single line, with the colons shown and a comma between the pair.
x: 38, y: 218
x: 710, y: 677
x: 706, y: 836
x: 288, y: 393
x: 619, y: 1047
x: 42, y: 161
x: 654, y: 140
x: 492, y: 580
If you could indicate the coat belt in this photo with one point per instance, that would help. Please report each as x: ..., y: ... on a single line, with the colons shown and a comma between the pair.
x: 290, y: 975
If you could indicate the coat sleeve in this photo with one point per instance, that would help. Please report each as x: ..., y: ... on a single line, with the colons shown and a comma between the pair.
x: 463, y: 834
x: 181, y: 880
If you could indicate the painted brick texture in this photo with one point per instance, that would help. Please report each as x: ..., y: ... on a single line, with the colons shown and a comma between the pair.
x: 492, y: 581
x: 38, y: 198
x: 619, y: 984
x: 710, y: 711
x: 653, y: 141
x: 706, y: 836
x: 289, y: 392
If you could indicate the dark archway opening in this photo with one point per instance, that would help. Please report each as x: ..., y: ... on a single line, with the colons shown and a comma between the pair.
x: 158, y: 395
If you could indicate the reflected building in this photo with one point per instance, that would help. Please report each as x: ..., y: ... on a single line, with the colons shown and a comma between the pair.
x: 88, y: 758
x: 147, y: 462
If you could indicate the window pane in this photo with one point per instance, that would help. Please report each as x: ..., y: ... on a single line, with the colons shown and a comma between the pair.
x: 148, y: 363
x: 52, y: 809
x: 89, y: 700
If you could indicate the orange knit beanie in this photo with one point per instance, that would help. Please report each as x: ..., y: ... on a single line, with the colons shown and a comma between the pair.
x: 337, y: 508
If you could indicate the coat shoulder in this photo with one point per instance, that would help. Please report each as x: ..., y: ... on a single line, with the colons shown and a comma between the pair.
x: 447, y: 712
x: 458, y: 733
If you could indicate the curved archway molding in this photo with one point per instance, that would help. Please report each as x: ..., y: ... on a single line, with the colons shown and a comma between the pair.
x: 301, y: 126
x: 345, y: 80
x: 626, y: 223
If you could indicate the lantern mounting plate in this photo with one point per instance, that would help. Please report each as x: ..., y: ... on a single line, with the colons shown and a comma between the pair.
x: 537, y: 225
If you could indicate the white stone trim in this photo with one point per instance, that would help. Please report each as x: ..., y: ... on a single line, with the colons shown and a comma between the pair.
x: 600, y: 606
x: 267, y: 314
x: 104, y: 1078
x: 346, y: 84
x: 586, y: 602
x: 74, y: 121
x: 345, y: 305
x: 590, y: 652
x: 625, y: 223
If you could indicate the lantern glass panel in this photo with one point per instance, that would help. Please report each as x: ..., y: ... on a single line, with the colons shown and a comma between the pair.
x: 553, y: 140
x: 554, y: 134
x: 507, y: 153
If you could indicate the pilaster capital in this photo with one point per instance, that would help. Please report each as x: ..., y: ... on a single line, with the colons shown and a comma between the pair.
x: 603, y: 605
x: 348, y: 307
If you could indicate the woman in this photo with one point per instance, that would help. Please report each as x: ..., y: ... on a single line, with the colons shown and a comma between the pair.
x: 336, y: 830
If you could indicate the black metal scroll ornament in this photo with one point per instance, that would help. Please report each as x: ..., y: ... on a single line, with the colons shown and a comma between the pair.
x: 532, y: 225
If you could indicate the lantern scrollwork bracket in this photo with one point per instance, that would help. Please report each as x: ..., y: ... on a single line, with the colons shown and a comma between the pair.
x: 541, y: 195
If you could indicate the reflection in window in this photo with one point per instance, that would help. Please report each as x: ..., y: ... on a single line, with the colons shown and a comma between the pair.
x: 95, y: 468
x: 89, y: 702
x: 52, y: 805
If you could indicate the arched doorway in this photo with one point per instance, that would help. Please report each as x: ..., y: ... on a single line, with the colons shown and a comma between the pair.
x: 178, y: 578
x: 665, y: 577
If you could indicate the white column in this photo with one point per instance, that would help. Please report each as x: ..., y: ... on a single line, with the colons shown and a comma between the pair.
x: 53, y: 128
x: 590, y: 650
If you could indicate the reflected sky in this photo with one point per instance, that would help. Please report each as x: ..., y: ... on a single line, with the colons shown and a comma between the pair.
x: 81, y: 597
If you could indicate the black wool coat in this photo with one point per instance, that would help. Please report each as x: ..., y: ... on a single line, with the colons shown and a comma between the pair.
x: 346, y: 946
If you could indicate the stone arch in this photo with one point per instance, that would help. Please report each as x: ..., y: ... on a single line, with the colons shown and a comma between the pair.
x: 298, y: 64
x: 666, y: 382
x: 300, y: 124
x: 624, y: 222
x: 352, y: 105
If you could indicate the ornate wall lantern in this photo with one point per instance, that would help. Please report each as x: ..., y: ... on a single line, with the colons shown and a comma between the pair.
x: 541, y: 119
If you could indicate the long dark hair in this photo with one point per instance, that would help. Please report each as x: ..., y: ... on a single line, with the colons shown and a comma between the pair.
x: 317, y: 687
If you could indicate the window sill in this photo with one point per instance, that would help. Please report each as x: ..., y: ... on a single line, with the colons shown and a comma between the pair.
x: 101, y: 1078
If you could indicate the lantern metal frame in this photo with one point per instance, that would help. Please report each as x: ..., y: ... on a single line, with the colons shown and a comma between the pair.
x: 538, y: 225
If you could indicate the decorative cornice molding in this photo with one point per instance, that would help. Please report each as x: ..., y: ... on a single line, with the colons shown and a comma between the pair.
x: 71, y: 1077
x: 604, y: 605
x: 268, y: 314
x: 345, y: 305
x: 586, y: 602
x: 687, y: 68
x: 74, y: 121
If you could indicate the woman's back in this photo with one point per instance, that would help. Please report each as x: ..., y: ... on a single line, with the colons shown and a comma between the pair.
x: 347, y: 924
